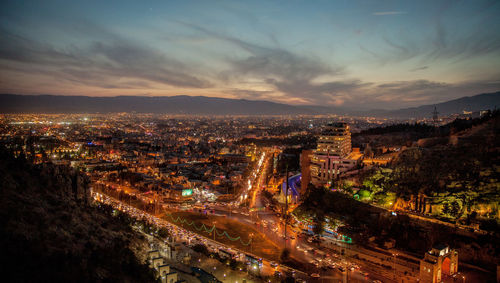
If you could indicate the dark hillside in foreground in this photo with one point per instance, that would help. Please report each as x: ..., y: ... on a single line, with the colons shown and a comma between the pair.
x: 50, y: 233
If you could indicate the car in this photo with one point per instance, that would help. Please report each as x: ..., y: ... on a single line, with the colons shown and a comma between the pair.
x: 315, y: 275
x: 273, y: 264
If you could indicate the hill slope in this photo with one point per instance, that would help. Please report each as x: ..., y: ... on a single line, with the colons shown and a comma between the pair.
x: 50, y: 233
x: 478, y: 102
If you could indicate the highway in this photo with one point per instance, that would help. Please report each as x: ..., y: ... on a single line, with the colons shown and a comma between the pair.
x: 324, y: 259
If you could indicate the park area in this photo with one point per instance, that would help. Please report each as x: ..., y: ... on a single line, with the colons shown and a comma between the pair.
x: 228, y: 232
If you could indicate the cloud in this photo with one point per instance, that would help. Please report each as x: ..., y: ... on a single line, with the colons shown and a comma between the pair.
x: 419, y: 68
x: 291, y: 74
x: 400, y: 94
x: 250, y: 94
x: 102, y: 64
x: 388, y: 13
x: 294, y: 78
x: 411, y: 86
x: 253, y: 71
x: 441, y: 37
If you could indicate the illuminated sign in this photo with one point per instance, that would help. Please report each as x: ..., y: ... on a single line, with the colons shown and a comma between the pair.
x: 187, y: 192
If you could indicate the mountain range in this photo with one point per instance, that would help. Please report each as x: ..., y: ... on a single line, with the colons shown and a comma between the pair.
x: 202, y: 105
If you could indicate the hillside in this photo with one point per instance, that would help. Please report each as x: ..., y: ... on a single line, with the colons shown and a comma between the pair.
x: 51, y: 233
x: 455, y: 165
x: 457, y: 106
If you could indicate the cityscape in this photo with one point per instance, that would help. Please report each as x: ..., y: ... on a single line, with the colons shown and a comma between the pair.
x: 226, y: 142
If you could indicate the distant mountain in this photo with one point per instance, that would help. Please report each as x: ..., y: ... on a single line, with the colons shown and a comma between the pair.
x: 201, y: 105
x: 478, y: 102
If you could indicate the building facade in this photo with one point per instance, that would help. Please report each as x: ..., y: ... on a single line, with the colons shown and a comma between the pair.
x: 332, y: 156
x: 436, y: 262
x: 305, y: 169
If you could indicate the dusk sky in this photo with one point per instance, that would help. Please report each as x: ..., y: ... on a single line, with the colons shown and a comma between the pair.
x: 356, y: 54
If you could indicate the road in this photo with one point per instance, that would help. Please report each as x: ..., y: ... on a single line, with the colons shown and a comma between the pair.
x: 324, y: 259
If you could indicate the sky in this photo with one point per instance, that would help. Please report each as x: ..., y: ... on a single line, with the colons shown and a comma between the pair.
x: 354, y: 54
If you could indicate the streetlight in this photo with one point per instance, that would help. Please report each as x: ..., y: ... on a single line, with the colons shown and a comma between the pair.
x: 394, y: 264
x: 214, y: 230
x: 251, y: 240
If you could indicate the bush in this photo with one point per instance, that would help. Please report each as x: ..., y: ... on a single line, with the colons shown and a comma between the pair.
x: 200, y: 248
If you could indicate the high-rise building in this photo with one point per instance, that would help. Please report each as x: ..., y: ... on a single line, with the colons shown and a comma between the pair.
x: 331, y: 157
x: 335, y: 140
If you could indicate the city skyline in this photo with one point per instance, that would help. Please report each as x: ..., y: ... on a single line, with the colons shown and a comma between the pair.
x: 388, y: 54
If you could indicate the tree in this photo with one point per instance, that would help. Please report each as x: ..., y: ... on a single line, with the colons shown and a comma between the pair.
x: 454, y: 209
x: 319, y: 223
x: 368, y: 151
x: 490, y: 225
x: 163, y: 233
x: 446, y: 208
x: 285, y: 255
x: 200, y: 248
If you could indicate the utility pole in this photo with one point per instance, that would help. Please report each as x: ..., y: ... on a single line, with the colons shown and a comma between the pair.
x: 285, y: 215
x: 394, y: 264
x: 251, y: 243
x: 214, y: 230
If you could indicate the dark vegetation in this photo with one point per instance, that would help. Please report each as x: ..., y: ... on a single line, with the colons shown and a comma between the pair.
x: 456, y: 180
x: 421, y: 128
x: 231, y: 262
x: 289, y: 160
x: 50, y: 232
x: 425, y: 130
x: 404, y: 133
x: 407, y: 134
x: 308, y: 141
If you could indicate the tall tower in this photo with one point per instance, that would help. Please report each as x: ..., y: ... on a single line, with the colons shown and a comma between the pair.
x: 435, y: 118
